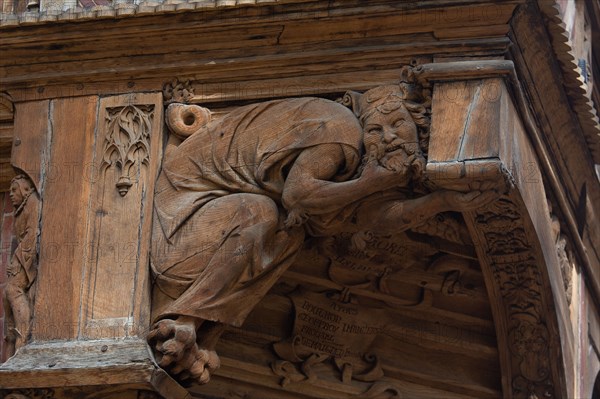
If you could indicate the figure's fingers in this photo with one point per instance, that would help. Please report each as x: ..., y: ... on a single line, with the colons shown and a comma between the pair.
x: 470, y: 196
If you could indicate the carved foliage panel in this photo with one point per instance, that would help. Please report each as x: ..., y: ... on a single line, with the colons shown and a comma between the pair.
x: 126, y: 159
x: 513, y: 265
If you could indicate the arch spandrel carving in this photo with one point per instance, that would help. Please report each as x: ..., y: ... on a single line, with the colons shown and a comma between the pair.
x: 366, y: 236
x: 351, y: 267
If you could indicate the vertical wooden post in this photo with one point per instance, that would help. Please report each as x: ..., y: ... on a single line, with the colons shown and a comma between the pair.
x: 92, y: 304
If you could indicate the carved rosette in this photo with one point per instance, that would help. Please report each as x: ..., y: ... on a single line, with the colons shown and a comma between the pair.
x: 127, y: 143
x: 178, y: 91
x: 514, y: 266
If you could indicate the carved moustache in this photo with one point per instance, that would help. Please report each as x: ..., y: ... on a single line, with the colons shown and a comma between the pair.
x: 402, y: 158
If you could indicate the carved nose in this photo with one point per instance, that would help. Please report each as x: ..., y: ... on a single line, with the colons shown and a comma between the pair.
x: 389, y: 136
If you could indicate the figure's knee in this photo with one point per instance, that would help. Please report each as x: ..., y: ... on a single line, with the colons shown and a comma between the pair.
x: 255, y: 209
x: 12, y: 291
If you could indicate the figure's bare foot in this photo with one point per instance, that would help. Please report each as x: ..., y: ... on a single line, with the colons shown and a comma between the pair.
x: 176, y: 350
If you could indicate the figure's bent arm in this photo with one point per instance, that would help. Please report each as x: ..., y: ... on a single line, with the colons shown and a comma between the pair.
x: 308, y: 187
x: 399, y: 215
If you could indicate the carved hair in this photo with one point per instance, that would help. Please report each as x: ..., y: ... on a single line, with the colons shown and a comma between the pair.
x: 25, y: 186
x: 386, y: 99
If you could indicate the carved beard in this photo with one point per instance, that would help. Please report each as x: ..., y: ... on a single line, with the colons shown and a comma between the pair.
x: 405, y: 158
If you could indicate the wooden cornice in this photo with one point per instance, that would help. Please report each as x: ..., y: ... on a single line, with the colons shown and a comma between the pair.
x: 558, y: 135
x: 219, y: 46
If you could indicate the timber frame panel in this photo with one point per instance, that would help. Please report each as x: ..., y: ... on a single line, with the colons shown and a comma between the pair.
x: 502, y: 67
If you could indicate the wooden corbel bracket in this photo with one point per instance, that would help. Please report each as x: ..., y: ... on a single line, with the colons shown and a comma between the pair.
x: 481, y: 140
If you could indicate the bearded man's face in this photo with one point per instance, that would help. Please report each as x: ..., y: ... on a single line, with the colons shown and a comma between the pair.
x: 392, y: 137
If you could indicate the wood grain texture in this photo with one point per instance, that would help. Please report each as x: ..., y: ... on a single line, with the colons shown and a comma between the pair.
x: 62, y: 242
x: 94, y: 369
x: 116, y: 287
x: 290, y: 40
x: 31, y: 132
x: 567, y: 162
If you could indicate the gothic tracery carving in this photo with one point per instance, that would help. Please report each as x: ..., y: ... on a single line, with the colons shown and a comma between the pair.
x: 127, y: 141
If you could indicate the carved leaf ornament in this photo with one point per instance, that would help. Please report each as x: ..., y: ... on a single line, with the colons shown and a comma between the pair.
x: 127, y: 141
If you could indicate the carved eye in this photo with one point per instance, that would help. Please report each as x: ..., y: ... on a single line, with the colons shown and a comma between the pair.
x: 374, y: 130
x: 399, y: 122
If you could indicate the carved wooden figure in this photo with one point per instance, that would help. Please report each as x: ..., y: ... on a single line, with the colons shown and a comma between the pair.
x: 236, y: 200
x: 22, y: 269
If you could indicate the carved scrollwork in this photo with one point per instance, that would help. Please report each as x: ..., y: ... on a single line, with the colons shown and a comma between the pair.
x: 127, y: 143
x: 29, y: 394
x: 516, y: 274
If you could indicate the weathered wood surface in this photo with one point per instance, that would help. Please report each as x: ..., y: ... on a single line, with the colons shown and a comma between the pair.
x: 394, y: 275
x: 565, y: 157
x: 62, y: 244
x: 115, y: 295
x: 216, y: 47
x: 94, y: 368
x: 515, y: 231
x: 6, y: 139
x: 30, y: 140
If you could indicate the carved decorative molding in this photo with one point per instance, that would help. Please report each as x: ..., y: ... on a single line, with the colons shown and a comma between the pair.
x: 514, y: 264
x: 373, y: 149
x: 29, y: 394
x: 127, y: 143
x: 329, y: 330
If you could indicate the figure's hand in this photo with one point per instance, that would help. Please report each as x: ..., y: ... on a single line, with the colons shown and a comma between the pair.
x: 463, y: 202
x: 13, y: 267
x: 381, y: 177
x: 296, y: 217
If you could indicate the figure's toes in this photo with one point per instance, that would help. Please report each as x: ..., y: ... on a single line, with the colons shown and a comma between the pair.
x: 174, y: 348
x: 206, y: 362
x: 165, y: 360
x: 162, y: 330
x: 186, y: 334
x: 213, y: 362
x: 197, y: 370
x: 204, y: 377
x: 184, y: 364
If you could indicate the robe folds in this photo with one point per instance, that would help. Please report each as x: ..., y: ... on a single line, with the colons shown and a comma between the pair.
x: 218, y: 239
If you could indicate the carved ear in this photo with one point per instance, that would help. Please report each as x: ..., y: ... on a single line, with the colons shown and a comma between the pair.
x: 352, y: 100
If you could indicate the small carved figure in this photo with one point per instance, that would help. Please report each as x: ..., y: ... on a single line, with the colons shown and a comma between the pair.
x: 22, y: 269
x: 235, y: 201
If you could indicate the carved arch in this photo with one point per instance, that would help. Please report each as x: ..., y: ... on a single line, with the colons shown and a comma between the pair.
x: 489, y: 145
